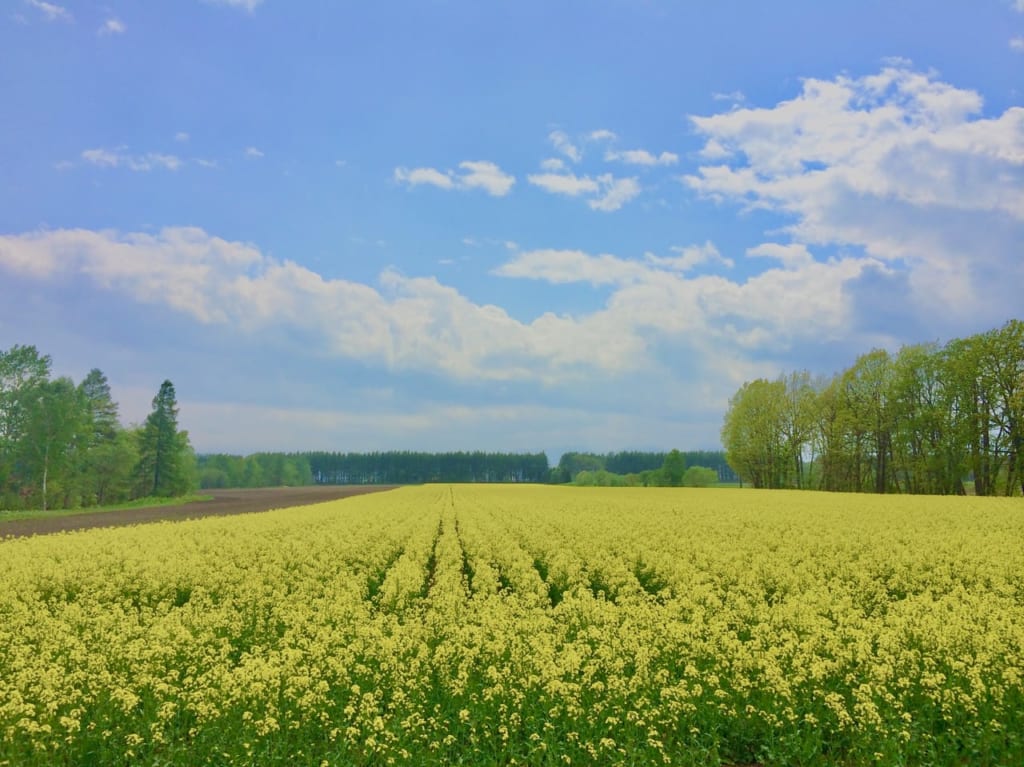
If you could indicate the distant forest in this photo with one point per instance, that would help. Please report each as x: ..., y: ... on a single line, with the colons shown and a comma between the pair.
x: 408, y: 467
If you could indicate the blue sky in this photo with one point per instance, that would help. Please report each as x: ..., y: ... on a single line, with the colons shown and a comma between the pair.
x: 502, y: 226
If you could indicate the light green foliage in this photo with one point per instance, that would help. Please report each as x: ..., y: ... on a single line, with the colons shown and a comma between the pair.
x: 922, y: 421
x: 700, y: 476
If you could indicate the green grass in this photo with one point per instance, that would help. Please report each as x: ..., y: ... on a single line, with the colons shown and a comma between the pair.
x: 138, y: 503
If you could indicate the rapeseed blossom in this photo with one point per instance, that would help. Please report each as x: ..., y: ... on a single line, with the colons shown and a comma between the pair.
x: 524, y: 625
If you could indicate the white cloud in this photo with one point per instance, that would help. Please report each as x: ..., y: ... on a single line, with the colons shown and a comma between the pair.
x: 794, y: 255
x: 1018, y: 6
x: 616, y: 193
x: 1017, y: 43
x: 407, y: 323
x: 118, y: 158
x: 690, y: 257
x: 429, y: 176
x: 181, y: 136
x: 898, y: 165
x: 602, y: 134
x: 552, y: 164
x: 659, y: 330
x: 560, y: 141
x: 247, y: 5
x: 51, y: 11
x: 567, y: 266
x: 734, y: 96
x: 476, y: 174
x: 641, y: 157
x: 564, y: 183
x: 253, y: 152
x: 112, y: 26
x: 606, y: 192
x: 486, y: 176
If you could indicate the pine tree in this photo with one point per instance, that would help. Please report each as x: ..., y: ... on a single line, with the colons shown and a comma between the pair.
x: 164, y: 452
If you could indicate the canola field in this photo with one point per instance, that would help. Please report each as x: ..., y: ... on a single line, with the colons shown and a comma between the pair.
x: 489, y: 625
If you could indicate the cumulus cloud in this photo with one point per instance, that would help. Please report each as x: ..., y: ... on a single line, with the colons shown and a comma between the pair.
x: 602, y: 134
x: 119, y: 158
x: 405, y: 323
x: 898, y: 165
x: 641, y: 157
x: 475, y: 174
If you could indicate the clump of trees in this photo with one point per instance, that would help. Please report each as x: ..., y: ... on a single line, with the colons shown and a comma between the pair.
x: 62, y: 445
x: 923, y: 420
x: 256, y: 470
x: 672, y: 472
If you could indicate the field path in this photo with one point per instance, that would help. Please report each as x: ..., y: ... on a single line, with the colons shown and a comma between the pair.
x: 223, y: 503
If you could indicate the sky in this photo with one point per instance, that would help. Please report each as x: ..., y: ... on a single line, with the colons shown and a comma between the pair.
x: 509, y: 226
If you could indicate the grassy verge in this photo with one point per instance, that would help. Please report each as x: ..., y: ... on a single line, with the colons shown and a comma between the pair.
x: 138, y: 503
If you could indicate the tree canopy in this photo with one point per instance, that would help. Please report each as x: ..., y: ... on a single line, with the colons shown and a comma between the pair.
x: 924, y: 420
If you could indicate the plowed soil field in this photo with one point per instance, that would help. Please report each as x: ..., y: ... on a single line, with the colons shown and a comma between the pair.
x: 223, y: 503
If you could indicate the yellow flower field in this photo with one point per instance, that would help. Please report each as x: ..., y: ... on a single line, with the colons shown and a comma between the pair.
x: 525, y: 625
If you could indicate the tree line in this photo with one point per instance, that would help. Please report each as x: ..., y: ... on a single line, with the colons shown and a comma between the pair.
x: 635, y: 467
x: 396, y: 467
x: 928, y: 419
x: 408, y: 467
x: 218, y: 470
x: 62, y: 444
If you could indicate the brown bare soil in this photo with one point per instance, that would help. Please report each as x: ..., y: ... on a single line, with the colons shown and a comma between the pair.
x: 223, y: 503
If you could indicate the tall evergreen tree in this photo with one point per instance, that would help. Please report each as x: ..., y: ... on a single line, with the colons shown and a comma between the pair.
x: 164, y: 452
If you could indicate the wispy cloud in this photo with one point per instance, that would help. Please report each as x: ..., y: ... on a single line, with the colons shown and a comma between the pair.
x: 51, y: 11
x: 119, y: 158
x: 475, y: 174
x: 734, y: 96
x: 641, y: 157
x: 616, y: 193
x: 1017, y: 44
x: 602, y: 134
x: 246, y: 5
x: 564, y: 183
x: 181, y: 137
x: 607, y: 192
x: 112, y: 26
x: 428, y: 176
x: 562, y: 143
x: 253, y: 152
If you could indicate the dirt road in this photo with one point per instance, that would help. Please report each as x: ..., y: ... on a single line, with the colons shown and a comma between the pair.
x: 223, y: 503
